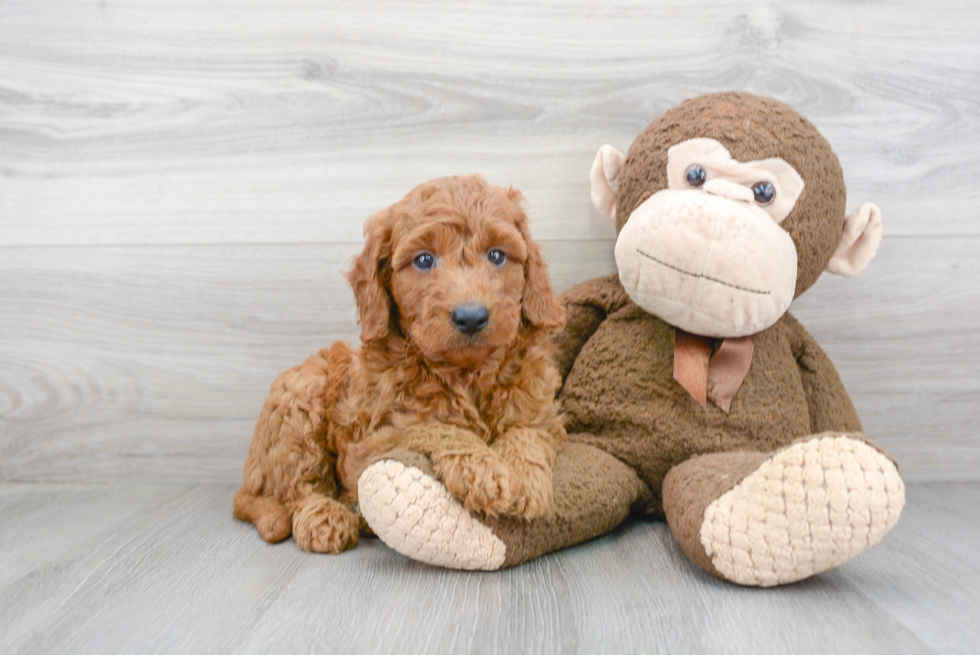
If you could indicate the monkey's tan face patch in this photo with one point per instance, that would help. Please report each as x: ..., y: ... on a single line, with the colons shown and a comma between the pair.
x: 706, y: 265
x: 705, y: 254
x: 728, y: 177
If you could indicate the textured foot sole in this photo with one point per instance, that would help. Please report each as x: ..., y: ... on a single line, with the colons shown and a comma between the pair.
x: 414, y: 514
x: 807, y: 509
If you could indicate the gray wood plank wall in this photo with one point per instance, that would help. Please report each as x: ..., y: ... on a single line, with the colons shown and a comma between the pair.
x: 182, y: 183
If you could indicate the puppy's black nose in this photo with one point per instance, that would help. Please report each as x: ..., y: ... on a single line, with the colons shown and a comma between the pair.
x: 470, y: 319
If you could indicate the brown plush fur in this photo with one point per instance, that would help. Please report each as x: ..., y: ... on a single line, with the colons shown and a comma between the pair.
x: 620, y: 395
x: 751, y: 127
x: 481, y: 407
x: 617, y: 360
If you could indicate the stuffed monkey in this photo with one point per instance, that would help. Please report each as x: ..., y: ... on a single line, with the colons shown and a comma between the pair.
x: 690, y: 393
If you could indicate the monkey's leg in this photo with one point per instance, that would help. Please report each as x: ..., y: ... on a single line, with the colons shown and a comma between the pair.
x: 764, y: 519
x: 414, y: 514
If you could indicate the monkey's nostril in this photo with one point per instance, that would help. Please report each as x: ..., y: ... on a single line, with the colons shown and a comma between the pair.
x: 470, y: 319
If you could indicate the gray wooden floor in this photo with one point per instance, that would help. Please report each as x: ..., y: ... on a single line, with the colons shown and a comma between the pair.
x: 157, y: 569
x: 183, y: 181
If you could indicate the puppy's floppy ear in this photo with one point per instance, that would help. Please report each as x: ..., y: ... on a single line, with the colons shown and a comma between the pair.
x: 541, y: 306
x: 368, y: 276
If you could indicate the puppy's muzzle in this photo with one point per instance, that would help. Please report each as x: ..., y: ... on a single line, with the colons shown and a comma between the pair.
x: 470, y: 319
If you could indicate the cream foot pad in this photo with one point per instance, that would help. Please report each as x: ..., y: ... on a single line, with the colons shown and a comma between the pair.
x: 810, y: 507
x: 414, y: 514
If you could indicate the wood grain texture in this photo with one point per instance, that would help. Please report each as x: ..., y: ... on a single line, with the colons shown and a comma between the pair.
x: 245, y: 122
x: 151, y: 363
x: 135, y: 568
x: 182, y: 181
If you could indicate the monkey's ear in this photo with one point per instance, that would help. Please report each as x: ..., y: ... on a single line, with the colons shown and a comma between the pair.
x: 859, y: 243
x: 605, y: 179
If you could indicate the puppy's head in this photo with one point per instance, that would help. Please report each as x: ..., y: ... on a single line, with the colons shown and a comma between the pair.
x: 452, y: 267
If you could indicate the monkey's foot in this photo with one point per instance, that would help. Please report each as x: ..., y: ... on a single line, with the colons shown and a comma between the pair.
x: 414, y: 514
x: 803, y: 510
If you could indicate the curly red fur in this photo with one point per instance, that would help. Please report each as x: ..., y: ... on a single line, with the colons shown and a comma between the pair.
x: 481, y: 406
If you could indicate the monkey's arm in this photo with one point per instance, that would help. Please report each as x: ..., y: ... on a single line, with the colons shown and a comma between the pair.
x: 587, y: 305
x: 829, y: 404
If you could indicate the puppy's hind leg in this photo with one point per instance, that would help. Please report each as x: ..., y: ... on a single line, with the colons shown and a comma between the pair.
x: 290, y: 474
x: 269, y: 515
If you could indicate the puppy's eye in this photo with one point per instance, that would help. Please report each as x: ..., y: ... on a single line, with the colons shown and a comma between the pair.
x: 764, y: 193
x: 424, y: 261
x: 696, y: 176
x: 496, y: 257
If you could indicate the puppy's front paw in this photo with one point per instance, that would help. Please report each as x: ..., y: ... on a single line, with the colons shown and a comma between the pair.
x: 534, y: 495
x: 481, y: 481
x: 323, y: 525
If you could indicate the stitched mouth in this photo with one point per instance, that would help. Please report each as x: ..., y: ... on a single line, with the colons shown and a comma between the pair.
x: 703, y: 277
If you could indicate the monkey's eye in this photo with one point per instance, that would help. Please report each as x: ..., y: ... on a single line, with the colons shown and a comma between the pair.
x: 424, y: 261
x: 764, y: 192
x: 696, y: 176
x: 496, y: 257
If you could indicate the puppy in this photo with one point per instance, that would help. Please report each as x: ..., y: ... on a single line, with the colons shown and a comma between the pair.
x: 455, y: 305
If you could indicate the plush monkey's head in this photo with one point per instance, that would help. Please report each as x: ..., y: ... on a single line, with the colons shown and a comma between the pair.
x: 729, y: 206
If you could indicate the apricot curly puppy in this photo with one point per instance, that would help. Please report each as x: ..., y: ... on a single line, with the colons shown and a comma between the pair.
x: 455, y: 305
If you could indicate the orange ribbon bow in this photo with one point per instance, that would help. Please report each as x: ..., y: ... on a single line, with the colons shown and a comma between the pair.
x: 716, y: 377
